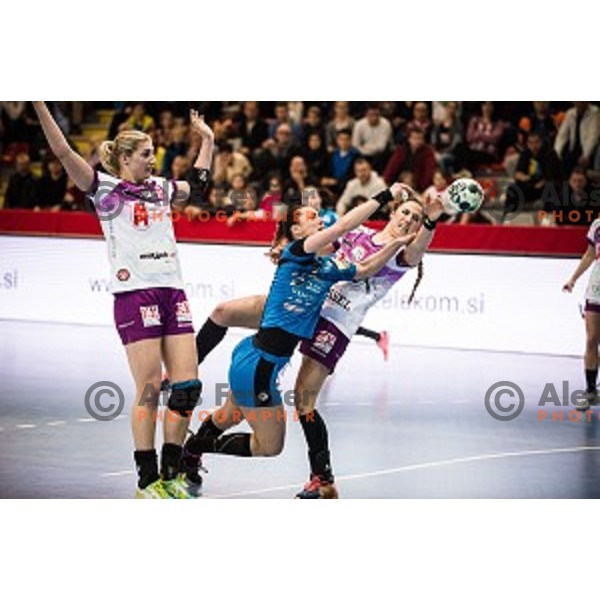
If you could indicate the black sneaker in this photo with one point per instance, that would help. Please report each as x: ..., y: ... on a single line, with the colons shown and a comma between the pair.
x: 190, y: 466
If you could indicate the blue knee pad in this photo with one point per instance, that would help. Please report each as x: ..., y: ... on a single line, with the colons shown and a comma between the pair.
x: 184, y: 396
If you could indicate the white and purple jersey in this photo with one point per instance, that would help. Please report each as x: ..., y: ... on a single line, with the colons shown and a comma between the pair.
x: 592, y: 293
x: 349, y: 301
x: 136, y: 222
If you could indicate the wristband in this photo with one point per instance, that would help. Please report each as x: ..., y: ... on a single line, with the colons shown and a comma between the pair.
x: 428, y: 223
x: 383, y: 197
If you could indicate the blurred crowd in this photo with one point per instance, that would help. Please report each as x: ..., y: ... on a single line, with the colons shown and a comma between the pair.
x: 547, y: 153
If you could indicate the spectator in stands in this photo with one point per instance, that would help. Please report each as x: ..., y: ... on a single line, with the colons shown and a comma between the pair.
x: 578, y: 136
x: 403, y: 113
x: 244, y: 205
x: 216, y: 200
x: 420, y: 120
x: 122, y: 113
x: 541, y: 121
x: 52, y: 186
x: 296, y: 111
x: 316, y: 157
x: 299, y: 178
x: 74, y: 198
x: 341, y: 162
x: 366, y: 183
x: 224, y: 128
x: 277, y: 154
x: 439, y: 110
x: 179, y: 168
x: 446, y: 137
x: 165, y: 129
x: 537, y: 173
x: 408, y: 178
x: 273, y: 198
x: 578, y: 206
x: 594, y: 174
x: 21, y: 128
x: 178, y: 146
x: 372, y: 136
x: 484, y: 136
x: 13, y: 121
x: 342, y: 121
x: 315, y: 199
x: 229, y: 163
x: 312, y: 125
x: 282, y: 117
x: 416, y: 156
x: 252, y: 129
x: 437, y: 188
x: 138, y: 119
x: 239, y: 183
x: 21, y: 190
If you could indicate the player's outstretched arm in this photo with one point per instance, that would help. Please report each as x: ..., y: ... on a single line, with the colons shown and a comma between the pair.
x: 200, y: 177
x: 432, y: 211
x: 77, y: 169
x: 352, y: 219
x: 584, y: 264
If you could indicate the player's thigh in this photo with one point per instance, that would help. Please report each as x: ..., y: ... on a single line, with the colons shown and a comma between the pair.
x: 269, y: 427
x: 179, y: 356
x: 241, y: 312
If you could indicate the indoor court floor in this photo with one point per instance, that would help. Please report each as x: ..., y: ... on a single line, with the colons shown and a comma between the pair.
x: 414, y: 427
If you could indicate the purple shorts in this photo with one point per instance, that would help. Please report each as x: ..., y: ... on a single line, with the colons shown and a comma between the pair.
x: 152, y: 313
x: 591, y: 307
x: 327, y: 345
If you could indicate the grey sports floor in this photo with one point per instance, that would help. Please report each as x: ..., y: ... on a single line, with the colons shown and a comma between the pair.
x: 415, y: 427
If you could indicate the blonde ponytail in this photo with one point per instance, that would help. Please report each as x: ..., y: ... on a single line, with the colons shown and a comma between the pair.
x: 125, y: 143
x: 108, y: 158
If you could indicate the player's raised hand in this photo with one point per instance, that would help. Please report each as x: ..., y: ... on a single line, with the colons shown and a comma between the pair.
x: 401, y: 191
x: 199, y: 125
x: 433, y: 207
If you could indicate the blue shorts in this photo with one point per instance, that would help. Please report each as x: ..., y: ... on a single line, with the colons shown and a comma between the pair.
x: 253, y: 375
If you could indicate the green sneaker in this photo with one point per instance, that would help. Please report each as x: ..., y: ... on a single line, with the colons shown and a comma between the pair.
x: 179, y: 488
x: 155, y: 491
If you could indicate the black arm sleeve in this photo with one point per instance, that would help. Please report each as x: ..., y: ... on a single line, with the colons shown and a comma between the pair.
x: 297, y: 248
x: 199, y: 180
x: 383, y: 197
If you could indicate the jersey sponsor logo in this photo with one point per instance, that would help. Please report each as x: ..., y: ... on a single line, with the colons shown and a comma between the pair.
x: 140, y: 216
x: 123, y: 274
x: 124, y: 325
x: 293, y: 308
x: 324, y: 341
x: 183, y: 312
x: 337, y: 298
x: 150, y: 315
x: 154, y: 255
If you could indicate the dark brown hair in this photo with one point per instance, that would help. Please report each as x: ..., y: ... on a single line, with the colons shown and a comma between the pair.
x: 283, y: 232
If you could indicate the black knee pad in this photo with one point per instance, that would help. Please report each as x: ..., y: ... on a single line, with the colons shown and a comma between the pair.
x: 185, y: 396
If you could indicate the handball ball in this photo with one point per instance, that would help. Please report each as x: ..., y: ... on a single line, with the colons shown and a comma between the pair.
x: 464, y: 196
